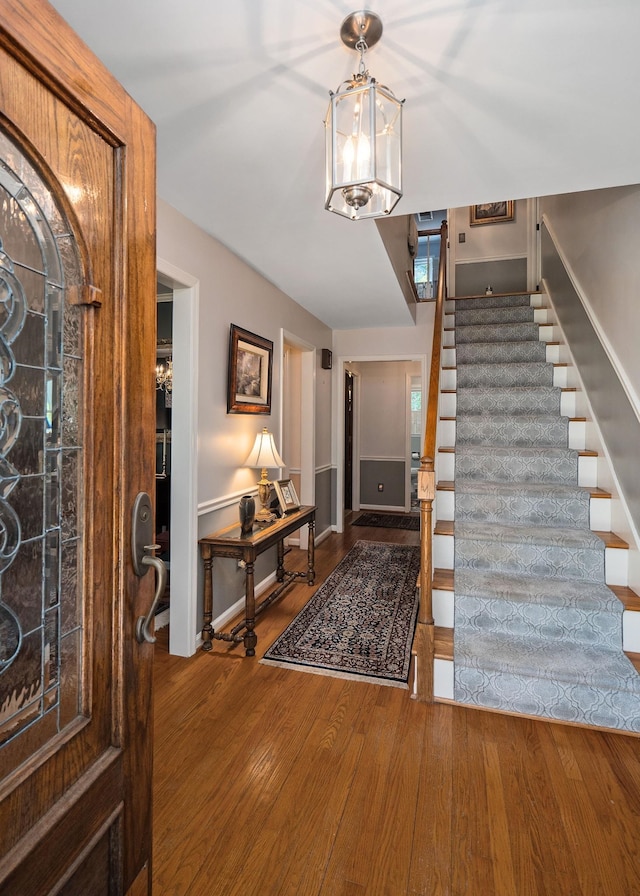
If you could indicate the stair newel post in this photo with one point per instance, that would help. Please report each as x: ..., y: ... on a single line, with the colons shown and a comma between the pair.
x: 424, y: 643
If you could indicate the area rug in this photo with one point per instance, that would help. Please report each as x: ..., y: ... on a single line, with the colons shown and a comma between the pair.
x: 389, y: 520
x: 360, y: 623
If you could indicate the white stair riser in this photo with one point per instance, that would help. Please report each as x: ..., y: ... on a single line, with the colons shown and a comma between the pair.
x: 448, y: 379
x: 443, y: 679
x: 443, y: 604
x: 549, y: 333
x: 443, y: 551
x: 616, y: 566
x: 631, y: 631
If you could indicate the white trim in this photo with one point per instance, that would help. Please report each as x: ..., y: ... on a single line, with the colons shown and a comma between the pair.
x: 407, y: 447
x: 338, y: 405
x: 388, y: 458
x: 324, y: 534
x: 482, y: 258
x: 631, y: 394
x: 384, y: 508
x: 324, y: 467
x: 214, y: 504
x: 307, y: 419
x: 184, y: 459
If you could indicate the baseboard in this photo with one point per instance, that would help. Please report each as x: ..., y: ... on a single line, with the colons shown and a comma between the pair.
x: 383, y: 508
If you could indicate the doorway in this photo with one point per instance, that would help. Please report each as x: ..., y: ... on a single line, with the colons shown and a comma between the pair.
x: 297, y: 437
x: 182, y: 492
x: 348, y: 440
x: 164, y: 406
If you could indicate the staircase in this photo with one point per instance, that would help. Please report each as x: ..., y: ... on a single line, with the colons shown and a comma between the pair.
x: 540, y: 585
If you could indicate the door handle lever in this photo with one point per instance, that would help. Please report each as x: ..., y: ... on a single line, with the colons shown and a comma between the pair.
x: 142, y: 549
x: 143, y: 624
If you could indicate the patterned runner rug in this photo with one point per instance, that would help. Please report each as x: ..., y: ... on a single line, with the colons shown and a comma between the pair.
x: 359, y: 624
x: 389, y: 520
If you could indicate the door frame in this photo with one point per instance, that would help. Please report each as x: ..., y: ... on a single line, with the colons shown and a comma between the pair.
x: 338, y: 418
x: 307, y: 419
x: 183, y: 606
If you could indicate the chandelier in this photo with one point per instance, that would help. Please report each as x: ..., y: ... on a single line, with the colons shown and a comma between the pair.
x: 164, y: 376
x: 363, y: 134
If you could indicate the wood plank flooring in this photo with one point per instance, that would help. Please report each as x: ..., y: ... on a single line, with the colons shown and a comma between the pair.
x: 270, y: 781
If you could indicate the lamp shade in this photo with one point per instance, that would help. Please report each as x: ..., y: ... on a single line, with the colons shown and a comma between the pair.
x: 264, y: 453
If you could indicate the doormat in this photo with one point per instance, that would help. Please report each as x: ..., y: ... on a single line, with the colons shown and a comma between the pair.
x: 389, y: 520
x: 360, y: 623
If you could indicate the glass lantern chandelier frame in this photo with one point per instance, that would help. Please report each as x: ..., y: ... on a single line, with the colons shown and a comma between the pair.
x: 363, y: 134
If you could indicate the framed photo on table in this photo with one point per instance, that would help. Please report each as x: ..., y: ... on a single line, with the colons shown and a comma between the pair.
x: 249, y: 374
x: 492, y: 212
x: 287, y: 497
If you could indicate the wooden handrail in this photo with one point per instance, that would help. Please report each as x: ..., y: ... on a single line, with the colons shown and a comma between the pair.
x: 424, y: 643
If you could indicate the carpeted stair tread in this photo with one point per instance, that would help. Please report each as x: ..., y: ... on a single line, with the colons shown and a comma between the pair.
x: 508, y: 400
x: 541, y: 430
x: 552, y: 536
x: 493, y: 302
x: 515, y: 373
x: 531, y: 503
x: 508, y: 332
x: 512, y: 463
x: 505, y: 352
x: 539, y: 658
x: 558, y: 592
x: 529, y: 550
x: 480, y: 316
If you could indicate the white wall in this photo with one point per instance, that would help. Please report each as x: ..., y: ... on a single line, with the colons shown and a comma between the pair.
x: 598, y: 233
x: 485, y: 241
x: 393, y: 341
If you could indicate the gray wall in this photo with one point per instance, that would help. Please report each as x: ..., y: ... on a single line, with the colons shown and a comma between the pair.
x: 503, y: 276
x: 391, y: 473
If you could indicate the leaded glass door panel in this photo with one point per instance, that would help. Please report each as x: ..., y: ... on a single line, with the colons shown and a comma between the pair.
x: 77, y: 350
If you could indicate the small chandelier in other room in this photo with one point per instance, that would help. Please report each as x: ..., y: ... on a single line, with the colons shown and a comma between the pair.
x: 164, y: 375
x: 363, y: 134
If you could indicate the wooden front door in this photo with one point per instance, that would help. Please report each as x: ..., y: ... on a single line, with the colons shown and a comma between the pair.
x: 77, y: 439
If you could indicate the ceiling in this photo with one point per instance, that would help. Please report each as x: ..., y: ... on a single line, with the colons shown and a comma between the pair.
x: 503, y: 100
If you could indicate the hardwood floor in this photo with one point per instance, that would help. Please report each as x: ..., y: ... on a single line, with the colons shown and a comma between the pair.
x: 270, y: 781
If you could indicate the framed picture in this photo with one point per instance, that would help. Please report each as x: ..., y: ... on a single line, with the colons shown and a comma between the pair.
x: 249, y: 379
x: 286, y: 492
x: 492, y: 212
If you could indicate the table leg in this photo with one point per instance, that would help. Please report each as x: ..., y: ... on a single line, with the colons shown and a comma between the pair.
x: 280, y: 568
x: 250, y: 637
x: 311, y: 553
x: 207, y: 629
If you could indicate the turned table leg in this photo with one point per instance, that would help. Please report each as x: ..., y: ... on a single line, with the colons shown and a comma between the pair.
x: 280, y: 568
x: 250, y: 637
x: 207, y: 629
x: 311, y: 553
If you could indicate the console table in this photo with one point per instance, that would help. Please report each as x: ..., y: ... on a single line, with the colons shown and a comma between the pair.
x: 230, y: 542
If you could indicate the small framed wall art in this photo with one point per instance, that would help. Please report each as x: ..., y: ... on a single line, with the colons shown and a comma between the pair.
x: 492, y: 212
x: 249, y: 375
x: 287, y: 497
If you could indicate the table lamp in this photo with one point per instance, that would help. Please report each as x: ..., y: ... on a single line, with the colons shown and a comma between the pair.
x: 264, y: 455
